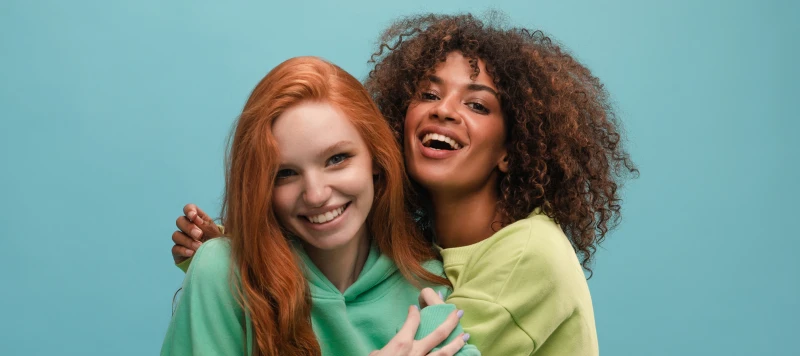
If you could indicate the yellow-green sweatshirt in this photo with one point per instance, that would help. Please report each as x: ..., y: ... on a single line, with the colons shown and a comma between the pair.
x: 523, y: 292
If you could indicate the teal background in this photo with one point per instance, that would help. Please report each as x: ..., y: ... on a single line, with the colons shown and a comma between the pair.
x: 114, y: 115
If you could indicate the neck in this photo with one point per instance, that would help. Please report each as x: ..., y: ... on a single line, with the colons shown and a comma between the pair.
x: 341, y: 266
x: 465, y: 219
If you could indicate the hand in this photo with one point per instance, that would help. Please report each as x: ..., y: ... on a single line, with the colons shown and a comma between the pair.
x: 403, y: 344
x: 194, y: 227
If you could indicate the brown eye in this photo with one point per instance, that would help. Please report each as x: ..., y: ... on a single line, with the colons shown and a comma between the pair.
x: 478, y: 108
x: 429, y: 96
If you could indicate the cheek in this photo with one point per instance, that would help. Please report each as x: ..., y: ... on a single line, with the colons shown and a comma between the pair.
x: 493, y: 134
x: 411, y: 119
x: 357, y: 181
x: 282, y: 201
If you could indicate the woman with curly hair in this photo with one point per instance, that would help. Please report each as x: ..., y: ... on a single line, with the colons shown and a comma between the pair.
x: 516, y: 157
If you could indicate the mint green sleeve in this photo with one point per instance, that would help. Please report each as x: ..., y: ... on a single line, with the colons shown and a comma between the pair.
x: 184, y: 266
x: 433, y: 316
x: 207, y: 319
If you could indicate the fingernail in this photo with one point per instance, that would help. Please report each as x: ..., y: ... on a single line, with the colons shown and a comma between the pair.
x: 465, y: 337
x: 460, y: 313
x: 189, y: 253
x: 441, y: 296
x: 196, y: 245
x: 197, y: 233
x: 190, y: 215
x: 416, y: 306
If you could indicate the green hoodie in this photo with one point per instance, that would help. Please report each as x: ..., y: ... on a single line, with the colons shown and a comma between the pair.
x: 209, y: 321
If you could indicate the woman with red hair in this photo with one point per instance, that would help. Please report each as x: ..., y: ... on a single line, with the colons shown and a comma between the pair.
x: 320, y: 251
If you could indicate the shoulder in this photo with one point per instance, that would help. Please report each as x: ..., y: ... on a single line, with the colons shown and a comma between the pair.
x: 547, y: 245
x: 531, y: 251
x: 536, y: 240
x: 212, y: 261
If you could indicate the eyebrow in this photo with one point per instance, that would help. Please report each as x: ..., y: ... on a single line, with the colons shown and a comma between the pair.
x: 341, y: 145
x: 471, y: 87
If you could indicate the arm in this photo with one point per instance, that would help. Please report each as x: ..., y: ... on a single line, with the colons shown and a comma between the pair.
x: 208, y: 319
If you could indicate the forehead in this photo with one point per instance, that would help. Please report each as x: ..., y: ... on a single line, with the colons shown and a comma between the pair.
x: 311, y: 127
x: 456, y: 70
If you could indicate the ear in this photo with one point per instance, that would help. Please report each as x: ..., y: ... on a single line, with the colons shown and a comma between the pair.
x: 502, y: 165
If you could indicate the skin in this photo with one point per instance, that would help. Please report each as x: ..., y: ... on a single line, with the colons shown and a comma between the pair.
x: 462, y: 183
x: 330, y: 173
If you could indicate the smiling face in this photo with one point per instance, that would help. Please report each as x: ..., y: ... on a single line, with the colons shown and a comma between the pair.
x: 324, y: 186
x: 455, y: 132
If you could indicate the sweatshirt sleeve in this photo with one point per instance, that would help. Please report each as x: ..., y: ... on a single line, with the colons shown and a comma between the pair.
x: 207, y: 320
x: 184, y: 266
x: 526, y: 294
x: 433, y: 316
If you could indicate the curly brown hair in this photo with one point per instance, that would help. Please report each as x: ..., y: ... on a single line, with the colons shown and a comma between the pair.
x: 564, y: 141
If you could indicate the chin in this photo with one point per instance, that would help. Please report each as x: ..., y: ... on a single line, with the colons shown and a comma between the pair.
x: 429, y: 177
x: 334, y: 242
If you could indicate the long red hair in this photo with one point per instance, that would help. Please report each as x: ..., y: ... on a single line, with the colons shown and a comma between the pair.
x: 273, y: 289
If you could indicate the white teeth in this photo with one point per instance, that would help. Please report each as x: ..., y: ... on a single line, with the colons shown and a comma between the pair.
x: 432, y: 136
x: 323, y: 218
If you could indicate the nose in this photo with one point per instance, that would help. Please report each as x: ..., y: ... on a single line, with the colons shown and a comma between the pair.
x: 446, y: 110
x: 316, y: 191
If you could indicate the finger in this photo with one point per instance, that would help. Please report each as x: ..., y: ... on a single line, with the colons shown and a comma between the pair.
x: 441, y: 332
x: 180, y: 253
x: 405, y: 336
x: 190, y: 211
x: 453, y: 346
x: 189, y: 228
x: 183, y: 240
x: 202, y: 216
x: 428, y: 296
x: 210, y: 230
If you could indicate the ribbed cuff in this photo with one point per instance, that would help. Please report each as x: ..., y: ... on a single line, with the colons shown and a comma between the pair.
x: 432, y: 317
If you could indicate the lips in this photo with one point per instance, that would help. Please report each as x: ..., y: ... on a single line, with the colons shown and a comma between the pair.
x: 440, y: 142
x: 326, y: 216
x: 437, y: 142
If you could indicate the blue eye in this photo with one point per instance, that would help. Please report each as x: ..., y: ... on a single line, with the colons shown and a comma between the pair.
x: 285, y: 173
x: 338, y: 159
